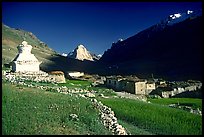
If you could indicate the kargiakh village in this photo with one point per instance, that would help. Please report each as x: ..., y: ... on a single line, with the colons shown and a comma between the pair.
x: 148, y: 83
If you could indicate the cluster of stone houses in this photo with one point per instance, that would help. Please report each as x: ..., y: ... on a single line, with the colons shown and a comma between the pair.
x: 130, y: 84
x: 174, y: 88
x: 165, y: 89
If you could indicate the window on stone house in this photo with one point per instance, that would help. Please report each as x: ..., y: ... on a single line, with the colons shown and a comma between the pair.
x: 114, y: 82
x: 108, y: 81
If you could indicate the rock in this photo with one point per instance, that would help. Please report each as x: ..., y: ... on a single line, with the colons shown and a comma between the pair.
x: 74, y: 117
x: 91, y: 95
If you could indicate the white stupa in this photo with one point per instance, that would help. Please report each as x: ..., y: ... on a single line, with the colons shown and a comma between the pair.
x: 25, y: 61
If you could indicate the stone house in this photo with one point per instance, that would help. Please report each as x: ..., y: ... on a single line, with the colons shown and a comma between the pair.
x: 130, y: 84
x: 164, y: 92
x: 114, y: 82
x: 161, y: 83
x: 140, y: 87
x: 150, y: 86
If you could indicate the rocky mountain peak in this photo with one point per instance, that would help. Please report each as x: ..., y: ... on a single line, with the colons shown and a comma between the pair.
x: 80, y: 46
x: 81, y: 53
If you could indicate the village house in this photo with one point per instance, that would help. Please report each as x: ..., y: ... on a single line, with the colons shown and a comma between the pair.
x: 162, y: 88
x: 130, y: 84
x: 150, y: 85
x: 114, y: 82
x: 176, y: 88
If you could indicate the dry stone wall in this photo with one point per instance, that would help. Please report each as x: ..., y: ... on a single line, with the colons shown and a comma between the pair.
x: 108, y: 118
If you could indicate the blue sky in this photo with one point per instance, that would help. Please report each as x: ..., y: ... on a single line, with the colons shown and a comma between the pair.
x: 64, y: 25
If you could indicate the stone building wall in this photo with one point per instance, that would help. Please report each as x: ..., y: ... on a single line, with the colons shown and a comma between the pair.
x: 58, y: 78
x: 150, y: 87
x: 75, y: 74
x: 22, y: 67
x: 140, y: 87
x: 130, y: 87
x: 134, y: 87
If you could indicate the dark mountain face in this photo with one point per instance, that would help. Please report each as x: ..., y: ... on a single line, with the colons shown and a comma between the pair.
x: 173, y: 52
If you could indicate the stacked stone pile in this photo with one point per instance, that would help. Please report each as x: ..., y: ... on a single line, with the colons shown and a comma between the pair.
x: 31, y: 76
x: 108, y: 118
x: 132, y: 96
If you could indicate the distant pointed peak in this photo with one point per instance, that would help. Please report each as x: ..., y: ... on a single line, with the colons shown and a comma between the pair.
x: 80, y: 46
x: 81, y: 53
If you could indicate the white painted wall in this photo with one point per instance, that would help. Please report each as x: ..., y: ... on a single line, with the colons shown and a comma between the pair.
x: 75, y: 74
x: 26, y: 67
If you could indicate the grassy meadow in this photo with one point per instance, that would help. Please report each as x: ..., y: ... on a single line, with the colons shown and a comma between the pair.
x: 31, y: 111
x: 76, y: 84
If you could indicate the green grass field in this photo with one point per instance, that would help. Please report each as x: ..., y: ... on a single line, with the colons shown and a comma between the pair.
x: 31, y: 111
x: 76, y: 84
x: 192, y: 102
x: 155, y: 118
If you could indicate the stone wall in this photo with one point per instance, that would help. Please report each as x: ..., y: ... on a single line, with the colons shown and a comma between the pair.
x: 108, y: 118
x: 37, y: 76
x: 179, y: 90
x: 129, y: 87
x: 58, y: 78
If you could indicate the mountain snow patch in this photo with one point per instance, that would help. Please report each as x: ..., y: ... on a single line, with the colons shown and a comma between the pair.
x: 189, y: 11
x: 64, y: 54
x: 174, y: 16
